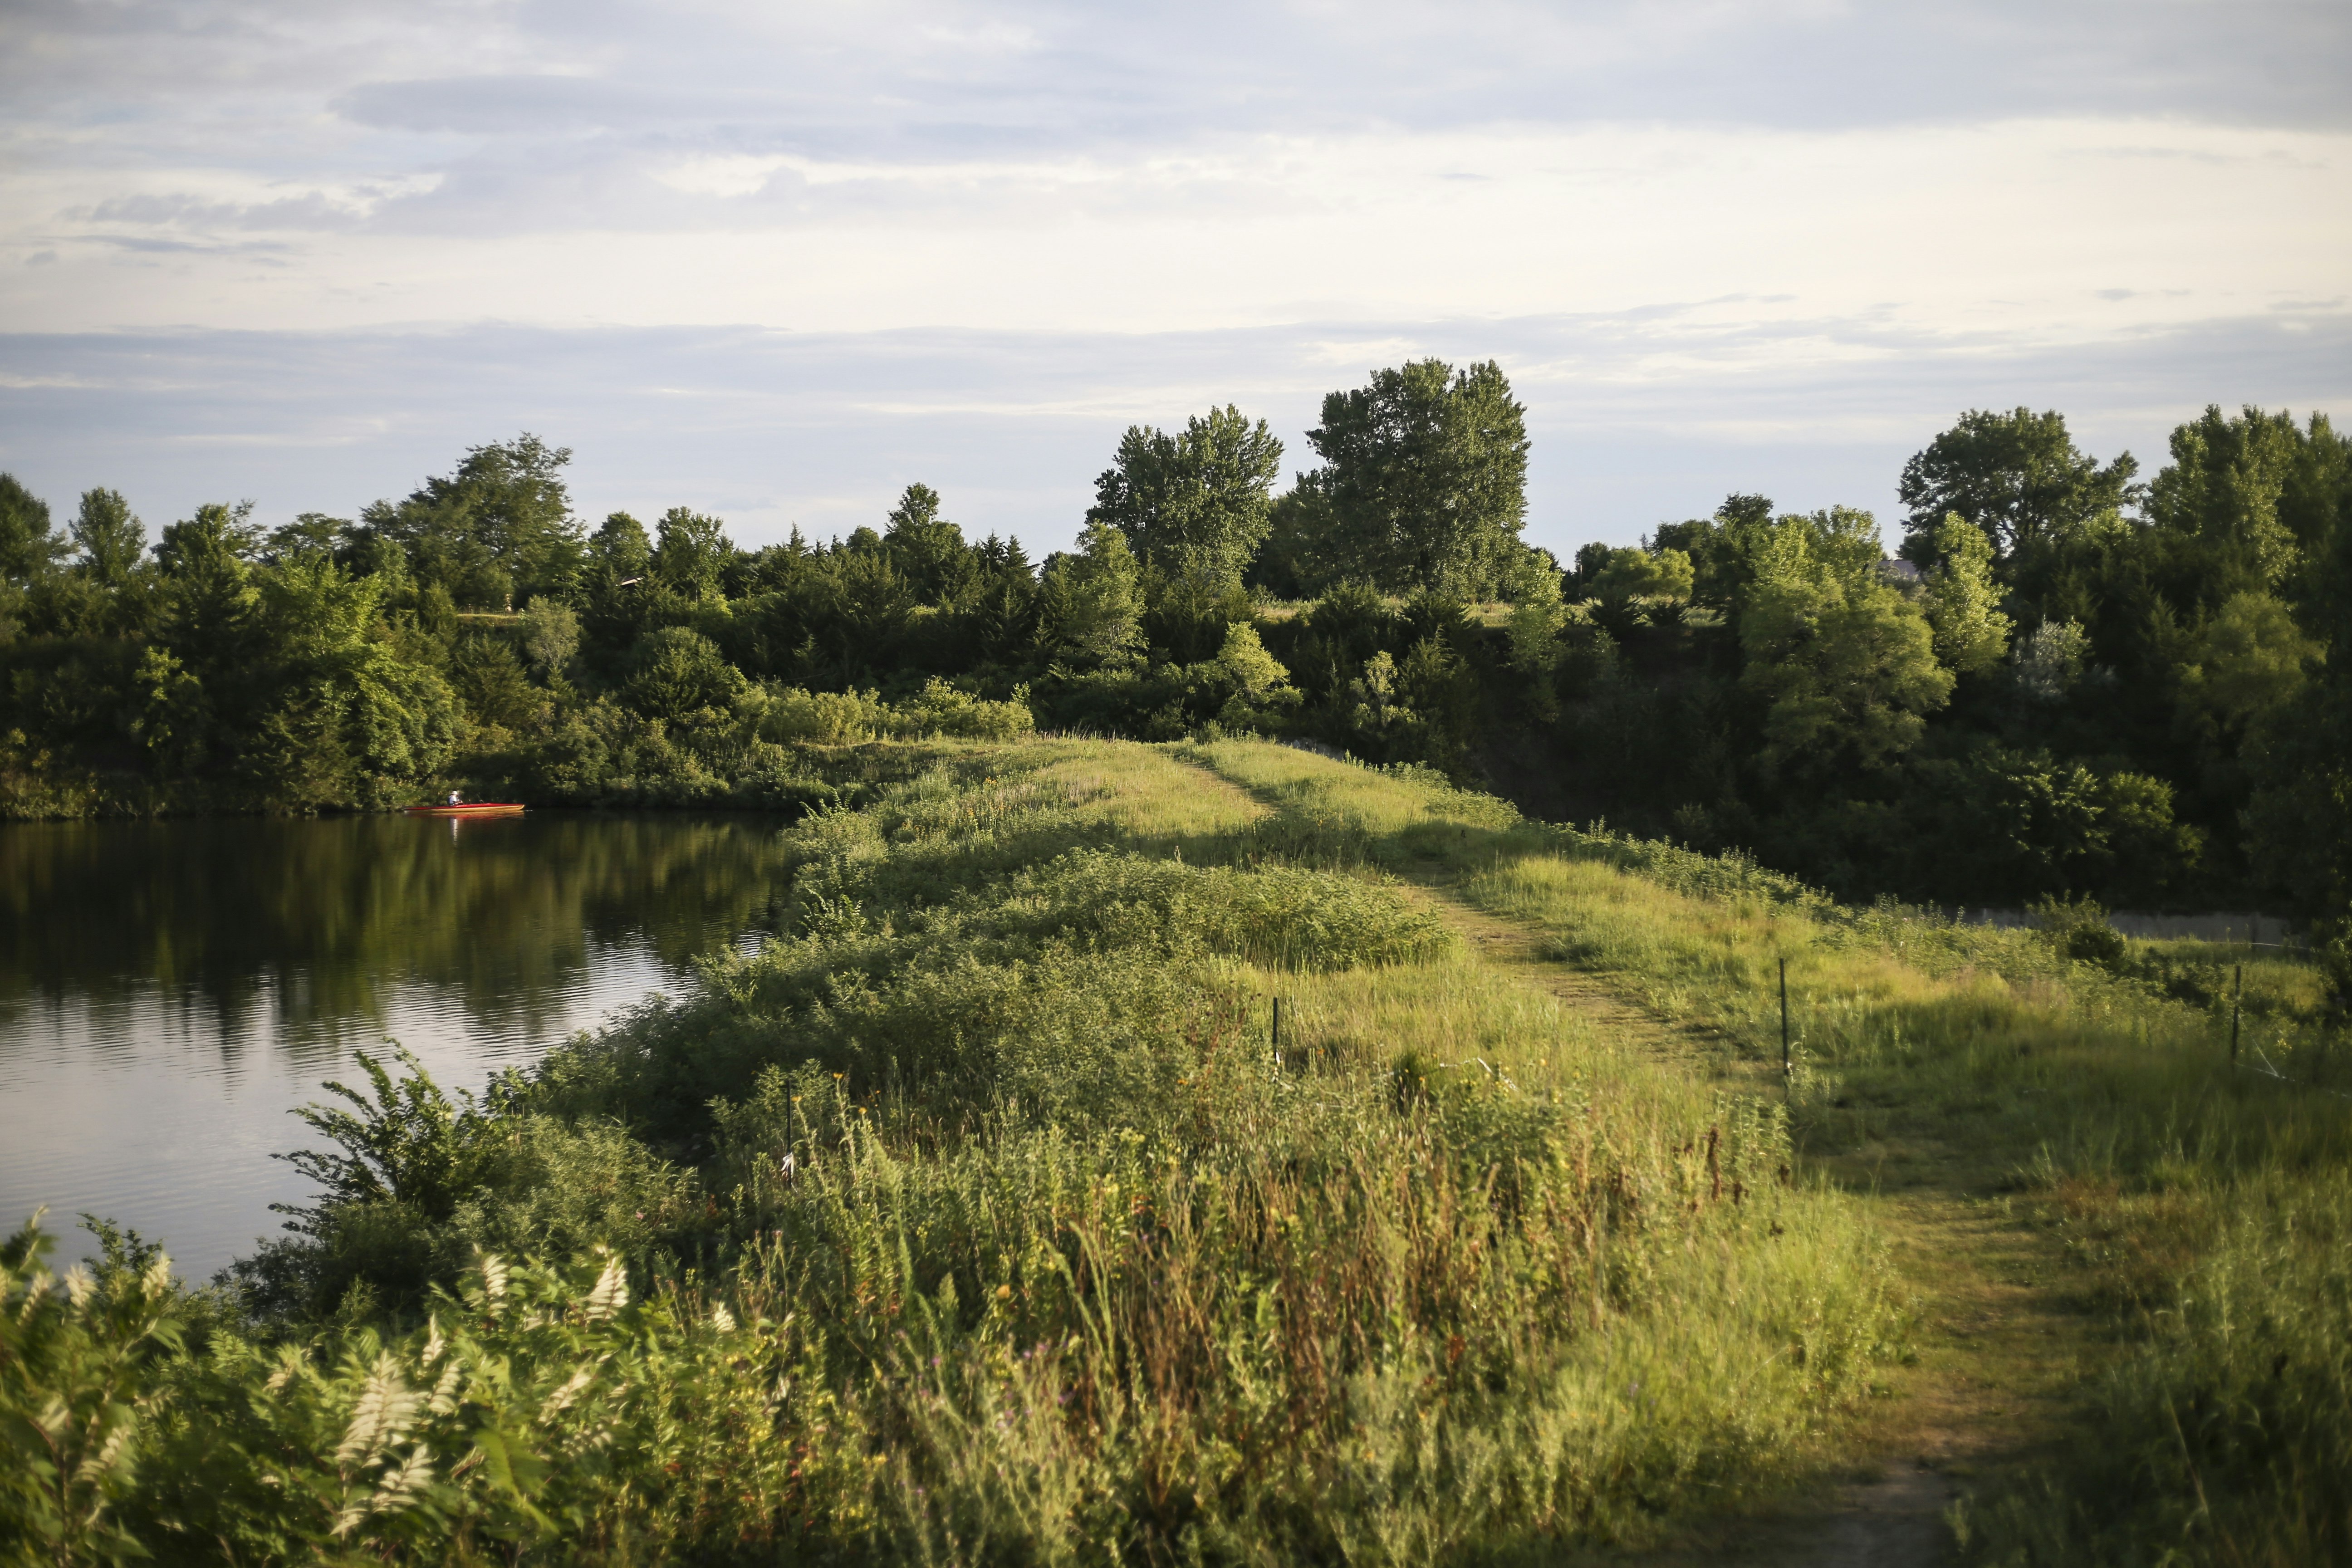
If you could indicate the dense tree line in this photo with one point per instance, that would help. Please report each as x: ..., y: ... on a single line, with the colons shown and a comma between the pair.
x: 2062, y: 680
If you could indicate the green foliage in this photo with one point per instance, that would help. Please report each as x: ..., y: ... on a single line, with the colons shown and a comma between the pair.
x: 499, y: 526
x: 79, y: 1356
x: 1538, y: 617
x: 405, y: 1146
x: 2223, y: 488
x: 2226, y: 1425
x: 929, y: 549
x: 679, y: 673
x: 1629, y: 574
x: 2049, y: 661
x: 2016, y: 476
x: 551, y: 636
x: 2001, y: 824
x: 793, y: 716
x: 975, y: 1215
x: 492, y: 683
x: 1304, y: 553
x: 1962, y: 599
x: 2079, y: 678
x: 1091, y: 609
x: 691, y: 553
x: 29, y: 545
x: 109, y: 538
x: 1424, y: 476
x: 1846, y: 664
x: 1720, y: 548
x: 2079, y: 929
x: 2249, y: 664
x: 1195, y: 503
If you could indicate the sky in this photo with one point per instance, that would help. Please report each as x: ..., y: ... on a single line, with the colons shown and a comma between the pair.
x: 775, y: 262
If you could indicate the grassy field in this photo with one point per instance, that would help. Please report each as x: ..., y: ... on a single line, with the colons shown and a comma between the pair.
x: 988, y: 1215
x: 2183, y: 1231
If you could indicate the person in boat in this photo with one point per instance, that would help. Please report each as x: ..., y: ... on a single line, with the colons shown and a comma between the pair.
x: 452, y: 797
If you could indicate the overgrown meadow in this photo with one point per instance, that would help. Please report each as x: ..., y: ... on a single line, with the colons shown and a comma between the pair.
x: 980, y: 1216
x: 984, y: 1215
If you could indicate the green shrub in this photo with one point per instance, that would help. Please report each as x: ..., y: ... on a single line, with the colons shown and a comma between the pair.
x: 2079, y: 929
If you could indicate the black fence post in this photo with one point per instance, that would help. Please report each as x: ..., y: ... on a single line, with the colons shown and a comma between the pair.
x: 1784, y: 1017
x: 2237, y: 989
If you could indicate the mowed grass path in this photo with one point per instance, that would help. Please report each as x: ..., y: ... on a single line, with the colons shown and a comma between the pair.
x: 1997, y: 1340
x: 2044, y: 1154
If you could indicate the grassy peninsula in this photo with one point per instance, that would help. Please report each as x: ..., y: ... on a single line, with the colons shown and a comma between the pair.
x: 983, y: 1215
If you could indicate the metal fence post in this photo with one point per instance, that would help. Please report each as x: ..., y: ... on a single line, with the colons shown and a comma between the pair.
x: 2237, y: 989
x: 1784, y: 1017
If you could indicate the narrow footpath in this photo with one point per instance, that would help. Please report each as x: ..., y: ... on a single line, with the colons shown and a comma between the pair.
x: 1998, y: 1346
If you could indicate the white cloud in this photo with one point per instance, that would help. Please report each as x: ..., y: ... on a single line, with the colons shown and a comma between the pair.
x: 2061, y: 230
x: 1746, y: 221
x: 736, y: 175
x: 1636, y: 416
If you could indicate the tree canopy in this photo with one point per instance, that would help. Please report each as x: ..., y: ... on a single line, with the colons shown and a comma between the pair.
x: 2071, y: 683
x: 2018, y: 475
x: 1194, y: 504
x: 1424, y: 472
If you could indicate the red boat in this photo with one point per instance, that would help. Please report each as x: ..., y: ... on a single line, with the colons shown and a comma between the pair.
x: 465, y: 808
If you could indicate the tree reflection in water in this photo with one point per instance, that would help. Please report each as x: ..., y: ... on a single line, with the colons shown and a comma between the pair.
x: 168, y: 989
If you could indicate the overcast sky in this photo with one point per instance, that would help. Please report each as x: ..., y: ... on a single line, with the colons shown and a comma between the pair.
x: 775, y: 262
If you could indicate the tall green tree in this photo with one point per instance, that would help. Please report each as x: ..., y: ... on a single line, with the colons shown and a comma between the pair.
x: 2299, y: 819
x: 29, y: 544
x: 336, y: 717
x: 1721, y: 550
x: 691, y: 553
x: 1194, y: 504
x: 1963, y: 601
x: 1844, y: 664
x: 209, y: 590
x: 108, y: 539
x: 1303, y: 555
x: 2222, y: 490
x: 499, y: 526
x: 1424, y: 471
x: 927, y: 549
x: 107, y: 589
x: 2016, y: 475
x: 1091, y: 602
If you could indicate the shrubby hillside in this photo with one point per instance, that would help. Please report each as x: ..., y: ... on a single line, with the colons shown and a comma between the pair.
x: 2048, y: 677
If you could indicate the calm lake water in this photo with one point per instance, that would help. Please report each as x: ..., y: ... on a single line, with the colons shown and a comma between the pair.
x: 169, y: 991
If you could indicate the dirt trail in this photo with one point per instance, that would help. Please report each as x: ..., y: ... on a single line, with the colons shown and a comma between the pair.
x: 1995, y: 1339
x: 1997, y: 1343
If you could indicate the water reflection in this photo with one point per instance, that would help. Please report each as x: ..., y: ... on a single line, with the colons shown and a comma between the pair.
x: 168, y: 990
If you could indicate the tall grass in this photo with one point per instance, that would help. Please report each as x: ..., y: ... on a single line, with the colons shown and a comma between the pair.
x: 2203, y: 1208
x: 978, y: 1217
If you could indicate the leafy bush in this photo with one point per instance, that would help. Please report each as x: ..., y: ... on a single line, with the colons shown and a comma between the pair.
x: 2079, y: 929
